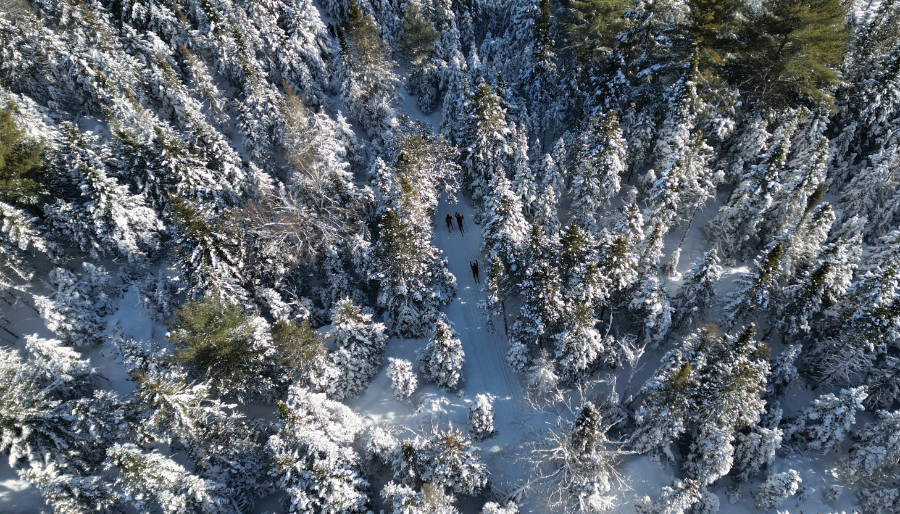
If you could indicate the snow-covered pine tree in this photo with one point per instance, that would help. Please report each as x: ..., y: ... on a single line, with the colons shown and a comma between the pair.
x: 873, y: 193
x: 736, y: 227
x: 876, y: 449
x: 819, y: 288
x: 828, y: 419
x: 601, y: 157
x: 686, y: 182
x: 403, y: 379
x: 431, y: 499
x: 542, y: 300
x: 413, y: 278
x: 223, y: 446
x: 758, y: 289
x: 417, y: 39
x: 884, y: 384
x: 504, y: 231
x: 359, y: 345
x: 481, y: 418
x: 546, y: 208
x: 777, y: 488
x: 579, y: 344
x: 710, y: 385
x: 315, y: 462
x: 441, y: 360
x: 151, y: 481
x: 698, y: 292
x: 524, y: 182
x: 677, y: 499
x: 74, y: 312
x: 539, y: 76
x: 496, y: 508
x: 486, y: 144
x: 450, y: 459
x: 105, y: 219
x: 754, y: 450
x: 369, y: 84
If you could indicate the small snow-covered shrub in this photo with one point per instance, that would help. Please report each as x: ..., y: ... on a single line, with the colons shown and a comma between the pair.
x: 481, y: 418
x: 403, y: 379
x: 777, y: 488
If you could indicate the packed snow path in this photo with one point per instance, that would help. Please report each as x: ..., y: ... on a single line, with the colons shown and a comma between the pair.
x: 486, y: 369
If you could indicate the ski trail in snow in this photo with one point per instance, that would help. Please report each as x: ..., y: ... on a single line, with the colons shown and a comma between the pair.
x: 486, y: 368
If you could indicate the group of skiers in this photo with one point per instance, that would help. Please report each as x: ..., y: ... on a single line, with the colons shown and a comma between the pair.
x: 459, y: 222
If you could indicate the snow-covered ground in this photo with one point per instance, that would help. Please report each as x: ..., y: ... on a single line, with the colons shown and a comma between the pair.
x: 485, y: 372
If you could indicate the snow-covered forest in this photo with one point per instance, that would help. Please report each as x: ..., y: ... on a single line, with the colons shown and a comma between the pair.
x: 450, y: 256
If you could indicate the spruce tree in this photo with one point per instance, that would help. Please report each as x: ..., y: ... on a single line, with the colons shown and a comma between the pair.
x: 21, y: 162
x: 359, y: 348
x: 222, y: 341
x: 791, y: 51
x: 442, y: 359
x: 600, y: 161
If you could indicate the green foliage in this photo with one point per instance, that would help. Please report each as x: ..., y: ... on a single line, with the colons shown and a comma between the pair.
x: 20, y: 162
x: 218, y: 339
x: 298, y: 345
x: 712, y: 29
x: 791, y: 50
x: 364, y: 45
x: 590, y: 28
x: 417, y: 36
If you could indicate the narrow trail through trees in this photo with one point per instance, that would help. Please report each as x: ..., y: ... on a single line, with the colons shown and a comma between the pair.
x: 486, y: 368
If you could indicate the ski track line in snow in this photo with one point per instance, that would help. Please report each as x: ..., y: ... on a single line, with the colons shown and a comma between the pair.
x: 486, y: 368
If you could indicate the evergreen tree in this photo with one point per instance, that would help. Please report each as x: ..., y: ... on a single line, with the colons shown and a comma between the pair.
x: 876, y: 451
x: 441, y: 360
x: 481, y: 418
x: 883, y: 384
x: 791, y: 50
x: 757, y: 289
x: 314, y: 459
x: 827, y: 421
x: 590, y: 29
x: 152, y: 481
x: 777, y: 488
x: 677, y: 499
x: 21, y: 162
x: 542, y: 300
x: 403, y: 379
x: 817, y: 289
x: 74, y: 312
x: 223, y: 446
x: 596, y: 177
x: 698, y: 292
x: 369, y: 84
x: 547, y: 204
x: 486, y: 140
x: 417, y: 45
x: 359, y: 348
x: 504, y: 232
x: 524, y: 182
x: 448, y: 458
x: 225, y: 343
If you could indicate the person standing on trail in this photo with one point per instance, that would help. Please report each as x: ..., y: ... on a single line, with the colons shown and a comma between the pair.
x: 474, y: 266
x: 459, y: 223
x: 449, y: 223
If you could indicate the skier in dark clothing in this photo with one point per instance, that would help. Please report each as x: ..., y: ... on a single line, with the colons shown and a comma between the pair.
x: 474, y: 266
x: 449, y: 220
x: 459, y: 223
